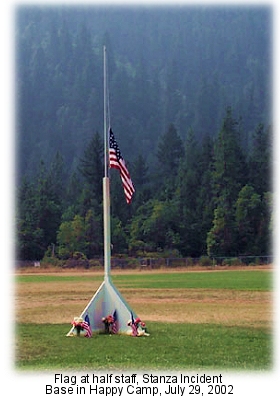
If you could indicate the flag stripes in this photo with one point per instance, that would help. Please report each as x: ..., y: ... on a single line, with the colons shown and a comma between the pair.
x: 133, y: 326
x: 86, y: 326
x: 116, y: 161
x: 114, y: 327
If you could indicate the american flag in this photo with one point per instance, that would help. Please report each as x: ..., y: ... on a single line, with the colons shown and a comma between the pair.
x: 86, y: 326
x: 133, y: 326
x: 115, y: 323
x: 116, y: 161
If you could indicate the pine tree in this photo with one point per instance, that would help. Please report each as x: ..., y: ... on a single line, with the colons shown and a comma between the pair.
x: 29, y: 235
x: 169, y: 153
x: 187, y: 193
x: 260, y: 162
x: 249, y: 220
x: 48, y: 208
x: 205, y: 203
x: 141, y: 181
x: 92, y: 169
x: 229, y: 175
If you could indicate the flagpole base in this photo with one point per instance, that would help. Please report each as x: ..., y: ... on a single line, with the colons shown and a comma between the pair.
x: 106, y: 301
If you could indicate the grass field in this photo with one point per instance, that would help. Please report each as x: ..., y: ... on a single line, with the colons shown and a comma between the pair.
x: 196, y: 320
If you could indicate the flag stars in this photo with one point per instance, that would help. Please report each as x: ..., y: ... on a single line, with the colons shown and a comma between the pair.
x: 116, y: 161
x: 114, y: 145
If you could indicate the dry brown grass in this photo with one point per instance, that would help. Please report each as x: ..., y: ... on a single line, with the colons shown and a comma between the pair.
x: 52, y: 270
x: 59, y: 302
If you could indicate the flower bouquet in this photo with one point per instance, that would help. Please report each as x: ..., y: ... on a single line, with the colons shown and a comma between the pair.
x: 110, y: 323
x: 138, y: 327
x: 142, y: 328
x: 81, y: 327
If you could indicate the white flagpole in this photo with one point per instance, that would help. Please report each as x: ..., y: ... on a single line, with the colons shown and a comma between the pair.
x: 105, y: 113
x: 106, y: 185
x: 107, y: 298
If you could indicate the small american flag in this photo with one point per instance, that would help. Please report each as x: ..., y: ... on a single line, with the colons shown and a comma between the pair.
x: 115, y: 323
x: 133, y: 326
x: 116, y: 161
x: 86, y: 326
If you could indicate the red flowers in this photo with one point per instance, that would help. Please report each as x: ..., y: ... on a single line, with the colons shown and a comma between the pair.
x: 108, y: 320
x: 138, y: 327
x: 110, y: 323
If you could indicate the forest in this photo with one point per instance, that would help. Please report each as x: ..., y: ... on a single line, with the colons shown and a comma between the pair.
x: 191, y: 109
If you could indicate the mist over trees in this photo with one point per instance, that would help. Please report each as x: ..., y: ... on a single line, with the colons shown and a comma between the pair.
x: 190, y: 106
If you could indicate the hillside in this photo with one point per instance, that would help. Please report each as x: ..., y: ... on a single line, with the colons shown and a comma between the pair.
x: 181, y: 65
x: 190, y: 106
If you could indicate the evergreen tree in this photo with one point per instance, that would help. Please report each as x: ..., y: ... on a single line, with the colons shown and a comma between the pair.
x: 249, y: 220
x: 205, y: 203
x: 141, y: 181
x: 169, y: 153
x: 56, y: 179
x: 72, y: 196
x: 93, y: 234
x: 29, y: 236
x: 38, y: 217
x: 260, y: 161
x: 229, y: 175
x: 187, y: 193
x: 92, y: 169
x: 48, y: 209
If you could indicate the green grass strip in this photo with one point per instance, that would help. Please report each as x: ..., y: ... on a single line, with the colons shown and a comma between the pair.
x: 57, y: 278
x: 234, y: 280
x: 239, y: 280
x: 169, y: 347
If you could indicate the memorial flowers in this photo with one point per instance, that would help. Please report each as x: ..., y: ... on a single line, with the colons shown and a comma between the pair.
x: 110, y: 323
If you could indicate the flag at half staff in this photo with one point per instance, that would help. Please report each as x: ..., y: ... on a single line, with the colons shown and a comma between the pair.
x: 116, y: 161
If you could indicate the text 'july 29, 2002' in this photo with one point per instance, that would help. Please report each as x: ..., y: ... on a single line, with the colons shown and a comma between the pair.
x: 118, y: 385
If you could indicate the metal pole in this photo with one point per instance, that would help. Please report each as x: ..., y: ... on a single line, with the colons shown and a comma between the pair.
x: 105, y: 114
x: 106, y: 187
x: 107, y: 230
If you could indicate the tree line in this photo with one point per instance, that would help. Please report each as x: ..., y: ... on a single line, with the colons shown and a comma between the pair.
x: 165, y: 65
x: 202, y: 173
x: 210, y: 198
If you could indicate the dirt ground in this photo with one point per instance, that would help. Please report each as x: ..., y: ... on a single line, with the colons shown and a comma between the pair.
x: 118, y: 271
x: 59, y: 302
